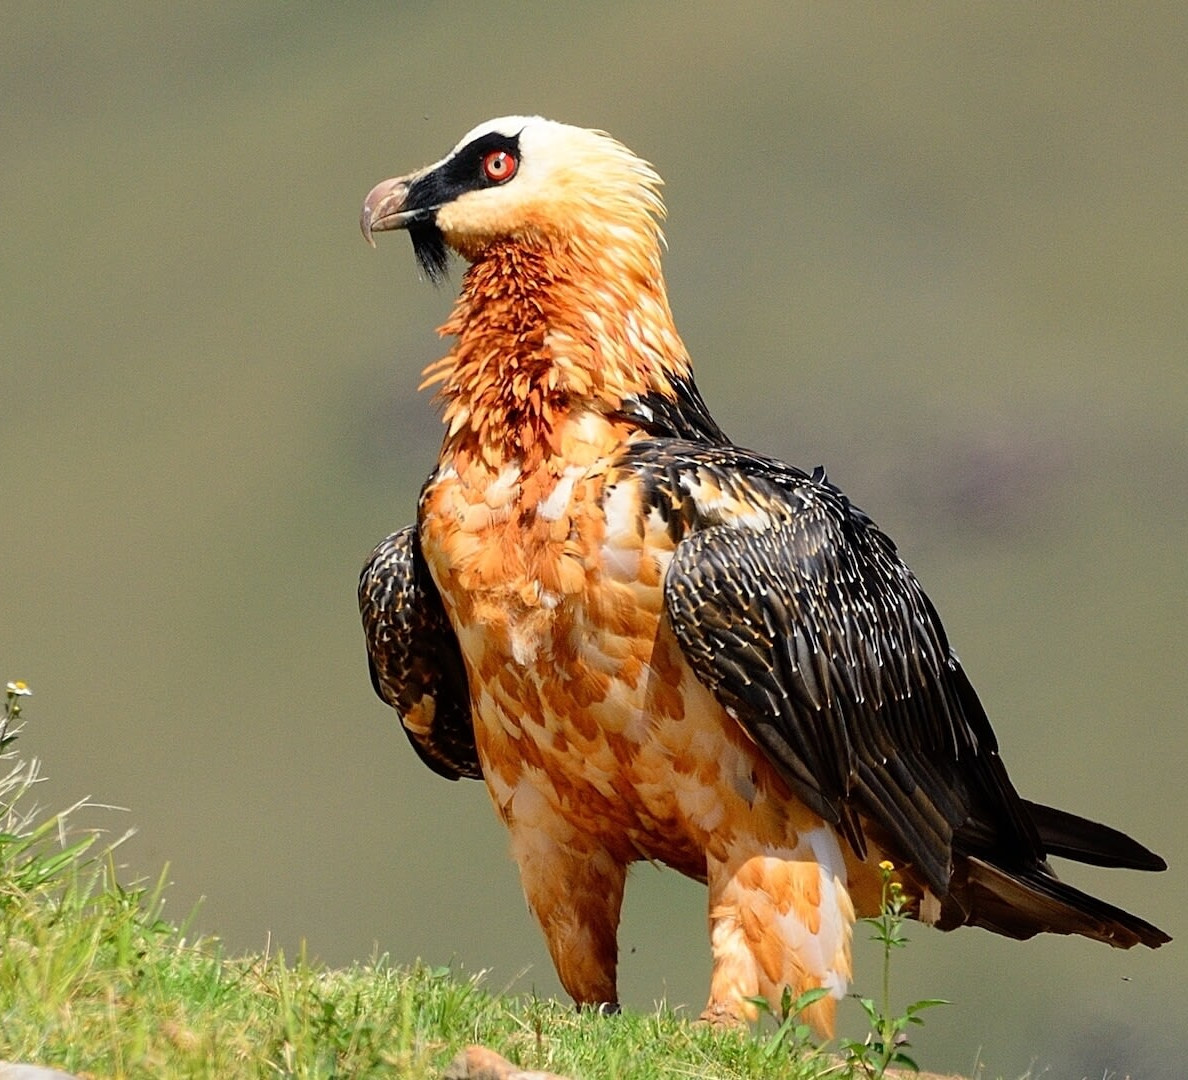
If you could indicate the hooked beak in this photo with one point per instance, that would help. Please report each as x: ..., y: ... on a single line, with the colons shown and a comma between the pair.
x: 384, y: 208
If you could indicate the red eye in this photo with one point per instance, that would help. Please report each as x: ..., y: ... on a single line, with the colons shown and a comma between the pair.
x: 499, y: 166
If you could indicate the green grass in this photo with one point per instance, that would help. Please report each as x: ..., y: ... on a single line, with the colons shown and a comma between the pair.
x: 94, y: 981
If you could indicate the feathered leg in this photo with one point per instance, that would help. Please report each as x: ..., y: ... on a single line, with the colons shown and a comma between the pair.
x: 576, y: 894
x: 778, y: 922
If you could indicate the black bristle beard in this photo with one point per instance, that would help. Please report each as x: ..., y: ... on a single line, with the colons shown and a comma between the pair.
x: 429, y: 246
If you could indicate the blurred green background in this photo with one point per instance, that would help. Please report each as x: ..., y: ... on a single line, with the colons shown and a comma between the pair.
x: 940, y: 249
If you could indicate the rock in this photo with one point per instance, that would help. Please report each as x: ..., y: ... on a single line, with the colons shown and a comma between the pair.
x: 473, y: 1063
x: 31, y: 1072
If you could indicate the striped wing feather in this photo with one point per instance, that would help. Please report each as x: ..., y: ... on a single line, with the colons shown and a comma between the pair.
x: 821, y: 643
x: 416, y: 664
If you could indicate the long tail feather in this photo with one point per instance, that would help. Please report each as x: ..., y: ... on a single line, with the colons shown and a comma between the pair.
x: 1021, y: 905
x: 1072, y: 837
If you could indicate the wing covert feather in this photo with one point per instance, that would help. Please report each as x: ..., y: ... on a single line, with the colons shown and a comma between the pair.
x: 801, y: 618
x: 416, y: 664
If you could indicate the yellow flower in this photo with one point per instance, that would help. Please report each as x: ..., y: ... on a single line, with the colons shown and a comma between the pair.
x: 886, y: 866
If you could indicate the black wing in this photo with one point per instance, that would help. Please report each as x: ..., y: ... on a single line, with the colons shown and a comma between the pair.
x: 798, y: 613
x: 416, y: 665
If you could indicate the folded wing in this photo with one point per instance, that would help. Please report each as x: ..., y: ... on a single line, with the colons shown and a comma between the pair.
x: 416, y: 664
x: 798, y: 613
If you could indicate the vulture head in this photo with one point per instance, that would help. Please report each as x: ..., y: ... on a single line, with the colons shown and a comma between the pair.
x: 527, y: 181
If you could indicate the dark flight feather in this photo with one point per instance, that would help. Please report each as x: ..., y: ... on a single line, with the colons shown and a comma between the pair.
x: 413, y: 655
x: 802, y: 619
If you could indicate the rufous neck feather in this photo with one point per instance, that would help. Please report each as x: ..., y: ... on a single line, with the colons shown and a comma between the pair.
x: 545, y: 330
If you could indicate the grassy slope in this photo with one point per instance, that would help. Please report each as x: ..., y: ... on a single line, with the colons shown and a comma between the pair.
x: 93, y: 982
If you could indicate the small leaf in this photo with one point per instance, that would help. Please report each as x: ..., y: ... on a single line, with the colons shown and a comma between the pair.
x: 760, y: 1003
x: 925, y: 1003
x: 809, y: 997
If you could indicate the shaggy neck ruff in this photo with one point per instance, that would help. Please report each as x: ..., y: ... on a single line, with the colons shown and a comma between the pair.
x: 545, y: 331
